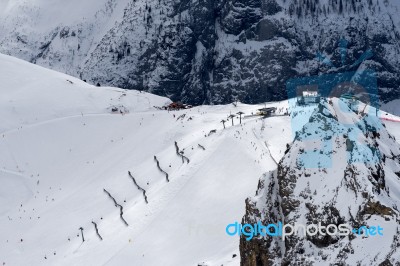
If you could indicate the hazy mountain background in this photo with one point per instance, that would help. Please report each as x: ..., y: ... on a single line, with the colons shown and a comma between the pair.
x: 204, y: 51
x: 62, y: 143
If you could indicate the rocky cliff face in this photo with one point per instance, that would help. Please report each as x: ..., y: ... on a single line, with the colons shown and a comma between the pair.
x: 207, y: 51
x: 342, y: 168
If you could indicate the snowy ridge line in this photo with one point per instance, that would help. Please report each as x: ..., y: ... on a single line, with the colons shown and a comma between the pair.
x: 97, y: 230
x: 159, y: 168
x: 121, y: 209
x: 11, y: 172
x: 138, y: 187
x: 178, y: 152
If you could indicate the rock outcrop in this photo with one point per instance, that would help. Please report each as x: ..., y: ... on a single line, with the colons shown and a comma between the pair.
x: 320, y: 180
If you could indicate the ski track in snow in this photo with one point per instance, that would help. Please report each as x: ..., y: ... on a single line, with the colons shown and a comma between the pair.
x: 171, y: 190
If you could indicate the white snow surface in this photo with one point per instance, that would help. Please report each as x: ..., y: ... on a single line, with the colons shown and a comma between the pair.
x: 61, y: 145
x: 320, y: 181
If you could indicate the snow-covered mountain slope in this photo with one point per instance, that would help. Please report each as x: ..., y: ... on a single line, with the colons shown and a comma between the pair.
x: 63, y: 149
x: 205, y: 51
x: 342, y: 168
x: 31, y: 95
x: 61, y: 145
